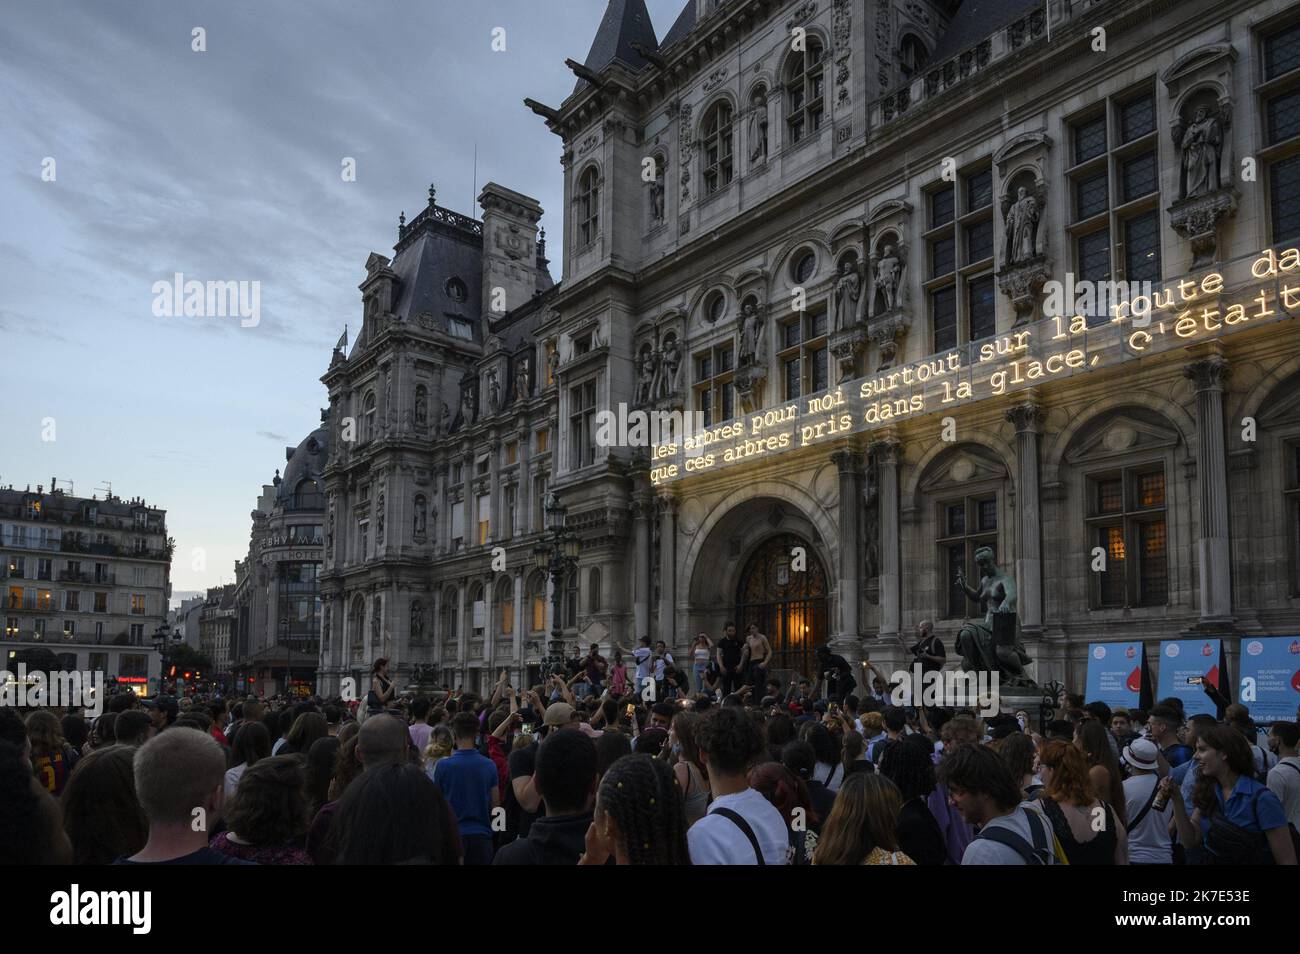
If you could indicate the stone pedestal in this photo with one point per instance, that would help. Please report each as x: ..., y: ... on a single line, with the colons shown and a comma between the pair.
x: 1023, y: 283
x: 886, y: 332
x: 1197, y: 220
x: 846, y: 345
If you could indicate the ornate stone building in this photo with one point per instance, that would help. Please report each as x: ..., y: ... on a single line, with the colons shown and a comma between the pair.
x: 916, y: 211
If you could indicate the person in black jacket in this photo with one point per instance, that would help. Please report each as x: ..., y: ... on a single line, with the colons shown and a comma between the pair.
x: 565, y: 777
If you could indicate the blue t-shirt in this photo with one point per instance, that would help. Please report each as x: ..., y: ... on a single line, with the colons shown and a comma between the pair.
x: 1245, y: 810
x: 467, y: 779
x: 1177, y: 754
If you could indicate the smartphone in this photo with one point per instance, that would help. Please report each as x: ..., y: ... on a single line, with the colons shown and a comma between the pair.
x: 1195, y: 680
x: 526, y: 728
x: 631, y: 710
x: 833, y: 708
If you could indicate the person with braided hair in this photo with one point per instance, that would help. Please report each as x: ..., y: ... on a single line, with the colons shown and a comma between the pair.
x: 640, y: 818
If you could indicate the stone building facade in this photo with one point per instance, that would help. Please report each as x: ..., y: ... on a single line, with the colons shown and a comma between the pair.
x: 82, y: 575
x: 903, y: 208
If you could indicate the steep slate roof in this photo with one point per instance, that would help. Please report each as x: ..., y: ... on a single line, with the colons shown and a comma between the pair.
x: 977, y: 19
x: 685, y: 23
x: 626, y: 22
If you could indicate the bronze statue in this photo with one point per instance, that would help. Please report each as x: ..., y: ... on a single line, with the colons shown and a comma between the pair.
x: 991, y: 644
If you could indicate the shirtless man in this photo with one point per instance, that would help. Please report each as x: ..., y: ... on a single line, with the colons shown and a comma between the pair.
x: 755, y: 657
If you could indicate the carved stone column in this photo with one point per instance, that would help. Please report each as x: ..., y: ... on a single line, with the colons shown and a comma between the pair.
x: 888, y: 450
x: 667, y: 504
x: 1027, y: 416
x: 849, y: 464
x: 1212, y: 544
x: 641, y: 513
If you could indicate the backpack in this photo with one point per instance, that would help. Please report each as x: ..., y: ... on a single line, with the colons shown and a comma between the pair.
x: 1041, y: 852
x: 1229, y: 844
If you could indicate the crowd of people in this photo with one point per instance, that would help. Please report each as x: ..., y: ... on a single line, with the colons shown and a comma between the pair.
x: 590, y: 767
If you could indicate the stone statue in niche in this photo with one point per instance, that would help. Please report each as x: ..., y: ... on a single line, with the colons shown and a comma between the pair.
x: 889, y: 275
x: 379, y: 518
x: 553, y: 363
x: 417, y: 621
x: 1200, y: 144
x: 758, y: 129
x: 751, y: 334
x: 671, y: 364
x: 421, y: 409
x: 647, y: 367
x: 871, y: 513
x: 467, y: 406
x: 1020, y: 243
x: 848, y: 288
x: 494, y: 391
x: 657, y: 192
x: 444, y: 420
x: 325, y: 627
x: 523, y: 380
x: 420, y: 518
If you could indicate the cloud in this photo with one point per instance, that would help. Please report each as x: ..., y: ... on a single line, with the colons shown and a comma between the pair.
x: 272, y: 436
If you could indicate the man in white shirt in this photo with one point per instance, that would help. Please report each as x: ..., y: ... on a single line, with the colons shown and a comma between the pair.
x: 644, y: 657
x: 742, y: 827
x: 1284, y: 777
x: 1148, y: 830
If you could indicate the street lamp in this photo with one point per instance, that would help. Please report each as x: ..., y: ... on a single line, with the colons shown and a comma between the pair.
x: 556, y: 555
x: 161, y: 638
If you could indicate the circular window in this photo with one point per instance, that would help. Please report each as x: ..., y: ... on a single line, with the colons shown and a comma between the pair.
x: 456, y: 290
x: 804, y: 267
x: 717, y: 308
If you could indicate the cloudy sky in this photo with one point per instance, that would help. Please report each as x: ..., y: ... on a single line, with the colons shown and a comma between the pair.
x: 226, y: 165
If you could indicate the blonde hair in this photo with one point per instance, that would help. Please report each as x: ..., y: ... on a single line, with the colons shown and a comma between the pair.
x: 864, y: 817
x: 873, y: 722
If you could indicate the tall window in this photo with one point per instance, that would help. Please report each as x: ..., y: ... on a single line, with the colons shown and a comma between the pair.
x: 965, y: 525
x: 137, y: 604
x: 1115, y: 187
x: 715, y: 397
x: 506, y: 600
x: 959, y: 241
x: 588, y: 207
x: 1280, y: 97
x: 1293, y: 506
x: 511, y: 506
x: 1126, y: 518
x: 804, y: 87
x: 368, y: 417
x: 484, y: 518
x: 582, y: 414
x: 913, y: 57
x: 804, y: 355
x: 537, y: 599
x: 719, y: 158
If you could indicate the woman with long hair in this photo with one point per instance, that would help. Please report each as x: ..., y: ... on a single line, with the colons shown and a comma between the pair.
x: 321, y: 759
x: 394, y: 815
x: 701, y: 652
x: 862, y: 829
x: 346, y: 768
x: 639, y: 818
x: 909, y: 766
x: 1019, y: 753
x: 1237, y: 820
x: 252, y: 744
x: 101, y: 813
x: 382, y: 689
x: 1089, y: 831
x: 441, y: 744
x: 52, y: 757
x: 688, y: 770
x: 828, y: 770
x: 1093, y: 739
x: 267, y: 819
x: 306, y: 729
x: 790, y: 795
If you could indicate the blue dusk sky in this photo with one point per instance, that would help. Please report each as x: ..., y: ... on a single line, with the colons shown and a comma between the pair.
x: 226, y: 165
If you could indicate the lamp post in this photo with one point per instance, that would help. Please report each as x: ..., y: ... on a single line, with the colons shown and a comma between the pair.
x: 161, y: 638
x: 556, y: 555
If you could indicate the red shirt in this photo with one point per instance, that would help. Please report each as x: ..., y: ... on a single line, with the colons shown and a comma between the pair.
x: 497, y: 753
x: 219, y: 735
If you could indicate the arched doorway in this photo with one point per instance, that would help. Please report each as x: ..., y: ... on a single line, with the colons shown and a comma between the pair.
x: 789, y: 605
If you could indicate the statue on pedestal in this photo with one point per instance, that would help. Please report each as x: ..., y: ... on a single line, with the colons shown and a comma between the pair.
x: 991, y: 645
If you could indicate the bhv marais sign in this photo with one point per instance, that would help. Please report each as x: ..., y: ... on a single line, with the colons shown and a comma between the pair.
x: 292, y: 556
x: 1179, y: 314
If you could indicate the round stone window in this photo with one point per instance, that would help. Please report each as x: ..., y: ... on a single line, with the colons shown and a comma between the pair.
x: 805, y: 266
x: 456, y: 290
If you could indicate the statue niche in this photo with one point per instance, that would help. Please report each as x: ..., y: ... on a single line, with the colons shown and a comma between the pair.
x: 1023, y: 271
x: 1200, y: 130
x: 848, y: 336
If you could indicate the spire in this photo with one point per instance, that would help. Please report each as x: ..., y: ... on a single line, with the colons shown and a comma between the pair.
x: 626, y: 22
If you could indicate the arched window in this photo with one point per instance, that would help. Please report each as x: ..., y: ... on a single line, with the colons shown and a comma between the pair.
x: 913, y: 57
x: 569, y: 605
x: 307, y: 496
x: 588, y: 207
x: 448, y: 617
x: 805, y: 82
x: 593, y: 591
x: 357, y: 625
x: 477, y: 609
x: 506, y: 600
x: 719, y: 158
x: 368, y: 418
x: 537, y: 602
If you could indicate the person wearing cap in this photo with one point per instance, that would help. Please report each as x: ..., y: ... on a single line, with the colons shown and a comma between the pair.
x: 162, y: 712
x: 523, y: 799
x: 1148, y: 829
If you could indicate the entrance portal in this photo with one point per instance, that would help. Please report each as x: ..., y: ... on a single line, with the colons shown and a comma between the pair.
x: 789, y: 605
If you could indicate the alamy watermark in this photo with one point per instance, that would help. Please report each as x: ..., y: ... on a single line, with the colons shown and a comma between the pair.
x: 35, y: 689
x: 195, y: 299
x: 947, y: 689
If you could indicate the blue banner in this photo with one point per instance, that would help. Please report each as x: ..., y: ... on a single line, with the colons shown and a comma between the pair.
x: 1114, y: 674
x: 1270, y: 677
x: 1184, y: 665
